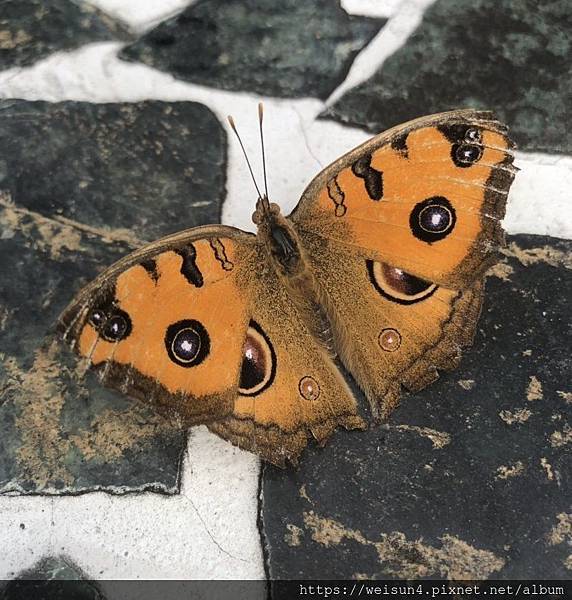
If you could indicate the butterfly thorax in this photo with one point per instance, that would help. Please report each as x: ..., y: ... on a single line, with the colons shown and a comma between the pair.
x: 277, y: 234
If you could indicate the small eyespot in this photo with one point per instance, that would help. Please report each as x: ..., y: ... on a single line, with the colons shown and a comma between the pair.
x: 309, y: 388
x: 389, y: 339
x: 258, y: 362
x: 467, y: 154
x: 97, y: 318
x: 433, y: 219
x: 117, y: 327
x: 187, y: 343
x: 473, y: 135
x: 466, y: 143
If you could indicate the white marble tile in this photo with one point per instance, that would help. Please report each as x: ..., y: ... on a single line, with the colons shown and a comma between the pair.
x: 208, y: 531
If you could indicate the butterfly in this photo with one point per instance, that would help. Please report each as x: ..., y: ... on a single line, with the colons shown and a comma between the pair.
x: 379, y: 269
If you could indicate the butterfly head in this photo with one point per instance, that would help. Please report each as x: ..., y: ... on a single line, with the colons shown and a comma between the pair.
x: 265, y: 211
x: 274, y: 230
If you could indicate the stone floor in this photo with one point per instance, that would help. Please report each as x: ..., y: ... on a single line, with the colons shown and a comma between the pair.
x: 114, y: 134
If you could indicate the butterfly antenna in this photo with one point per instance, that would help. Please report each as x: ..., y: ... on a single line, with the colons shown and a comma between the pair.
x: 260, y: 118
x: 233, y: 127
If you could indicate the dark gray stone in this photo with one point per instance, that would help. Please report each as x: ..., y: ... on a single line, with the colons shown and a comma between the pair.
x: 52, y: 578
x: 149, y: 168
x: 32, y: 29
x: 81, y: 185
x: 510, y: 56
x: 470, y: 478
x: 48, y: 581
x: 285, y: 49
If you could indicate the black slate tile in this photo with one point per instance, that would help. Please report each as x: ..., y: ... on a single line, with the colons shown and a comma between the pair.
x: 80, y: 186
x: 510, y: 56
x: 286, y: 49
x: 149, y: 168
x: 468, y: 479
x: 52, y: 578
x: 33, y: 29
x: 58, y: 578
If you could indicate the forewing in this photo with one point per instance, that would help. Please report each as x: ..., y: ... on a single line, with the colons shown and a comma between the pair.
x: 426, y: 197
x: 166, y: 324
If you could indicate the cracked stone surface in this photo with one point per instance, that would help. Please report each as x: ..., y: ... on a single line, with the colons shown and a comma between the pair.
x: 470, y: 478
x: 32, y: 29
x: 506, y: 55
x: 301, y: 49
x: 81, y: 185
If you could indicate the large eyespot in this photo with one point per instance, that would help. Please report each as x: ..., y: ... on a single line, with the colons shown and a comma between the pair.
x: 258, y: 362
x: 117, y: 327
x: 397, y: 285
x: 187, y: 343
x: 433, y: 219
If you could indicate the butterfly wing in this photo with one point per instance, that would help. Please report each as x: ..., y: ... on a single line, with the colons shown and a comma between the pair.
x: 399, y: 233
x: 190, y: 324
x: 426, y: 196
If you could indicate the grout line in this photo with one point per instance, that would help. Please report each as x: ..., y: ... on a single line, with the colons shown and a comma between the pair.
x: 392, y: 36
x: 261, y: 530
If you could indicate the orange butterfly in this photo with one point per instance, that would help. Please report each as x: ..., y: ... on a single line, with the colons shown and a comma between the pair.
x: 381, y: 265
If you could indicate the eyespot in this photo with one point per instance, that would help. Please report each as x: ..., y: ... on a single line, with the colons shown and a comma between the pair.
x: 433, y: 219
x: 473, y: 135
x: 466, y: 143
x: 113, y: 324
x: 97, y: 318
x: 117, y: 327
x: 187, y: 343
x: 397, y: 285
x: 465, y: 155
x: 389, y: 339
x: 468, y: 150
x: 309, y: 388
x: 258, y: 363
